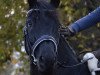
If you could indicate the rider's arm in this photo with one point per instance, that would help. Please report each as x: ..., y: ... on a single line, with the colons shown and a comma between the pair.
x: 91, y: 19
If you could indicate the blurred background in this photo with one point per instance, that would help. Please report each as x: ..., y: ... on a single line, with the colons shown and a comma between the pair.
x: 13, y: 58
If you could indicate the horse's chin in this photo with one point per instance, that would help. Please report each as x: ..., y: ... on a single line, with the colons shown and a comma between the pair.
x: 41, y: 70
x: 46, y: 65
x: 44, y: 69
x: 47, y: 71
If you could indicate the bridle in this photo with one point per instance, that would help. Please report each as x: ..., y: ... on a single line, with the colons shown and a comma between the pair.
x: 39, y: 41
x: 72, y: 66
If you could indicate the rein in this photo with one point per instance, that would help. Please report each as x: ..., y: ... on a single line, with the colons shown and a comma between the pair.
x: 65, y: 66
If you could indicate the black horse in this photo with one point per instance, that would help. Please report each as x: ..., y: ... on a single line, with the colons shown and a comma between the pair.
x: 41, y: 35
x: 49, y: 53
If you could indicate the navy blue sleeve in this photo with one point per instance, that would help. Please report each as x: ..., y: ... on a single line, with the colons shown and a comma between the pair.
x: 91, y: 19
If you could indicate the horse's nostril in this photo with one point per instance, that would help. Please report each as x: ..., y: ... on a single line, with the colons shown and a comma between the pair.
x: 42, y: 58
x: 55, y: 58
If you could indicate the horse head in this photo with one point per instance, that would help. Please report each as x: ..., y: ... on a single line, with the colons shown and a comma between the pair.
x: 42, y: 26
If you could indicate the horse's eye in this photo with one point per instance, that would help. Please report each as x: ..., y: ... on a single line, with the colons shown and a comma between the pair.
x: 29, y: 24
x: 42, y: 58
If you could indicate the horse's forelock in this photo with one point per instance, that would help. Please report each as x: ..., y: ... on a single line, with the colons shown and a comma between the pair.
x: 44, y: 15
x: 34, y: 3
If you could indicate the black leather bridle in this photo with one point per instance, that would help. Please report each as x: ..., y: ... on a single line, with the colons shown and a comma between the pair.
x: 39, y: 40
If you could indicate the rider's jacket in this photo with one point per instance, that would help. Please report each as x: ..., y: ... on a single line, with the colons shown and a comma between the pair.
x: 89, y: 20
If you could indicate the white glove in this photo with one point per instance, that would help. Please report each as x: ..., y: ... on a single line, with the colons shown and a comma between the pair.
x: 92, y: 62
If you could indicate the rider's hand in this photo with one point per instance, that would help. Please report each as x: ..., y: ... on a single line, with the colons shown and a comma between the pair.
x: 66, y: 32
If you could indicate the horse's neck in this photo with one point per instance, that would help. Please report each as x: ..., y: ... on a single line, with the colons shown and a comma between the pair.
x: 65, y: 53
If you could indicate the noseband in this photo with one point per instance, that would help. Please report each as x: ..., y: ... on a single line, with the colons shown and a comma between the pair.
x: 39, y: 41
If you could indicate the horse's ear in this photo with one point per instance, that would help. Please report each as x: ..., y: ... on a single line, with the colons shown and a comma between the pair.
x: 55, y: 3
x: 31, y: 3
